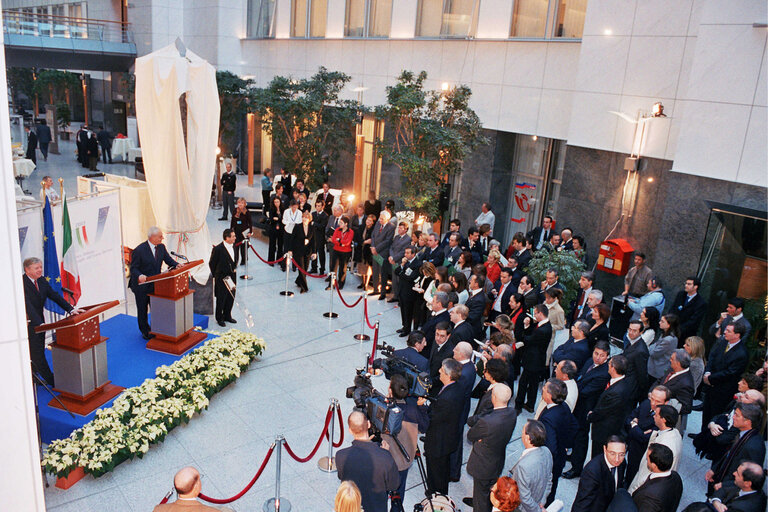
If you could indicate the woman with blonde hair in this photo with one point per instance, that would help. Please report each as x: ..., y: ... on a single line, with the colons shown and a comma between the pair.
x: 348, y: 498
x: 695, y: 348
x: 492, y: 266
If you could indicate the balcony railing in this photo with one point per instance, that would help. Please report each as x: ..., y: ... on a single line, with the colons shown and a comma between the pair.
x: 46, y: 25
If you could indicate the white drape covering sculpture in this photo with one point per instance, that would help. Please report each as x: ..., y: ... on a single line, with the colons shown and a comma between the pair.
x: 179, y: 176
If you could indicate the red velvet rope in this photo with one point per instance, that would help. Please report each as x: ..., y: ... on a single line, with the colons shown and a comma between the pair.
x: 375, y: 343
x: 336, y: 284
x: 365, y: 310
x: 265, y: 261
x: 341, y: 428
x: 247, y: 487
x: 307, y: 273
x: 323, y: 435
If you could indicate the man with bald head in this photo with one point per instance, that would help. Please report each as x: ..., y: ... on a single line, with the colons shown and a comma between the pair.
x: 367, y: 464
x: 147, y: 260
x: 489, y: 438
x: 188, y: 487
x: 462, y: 353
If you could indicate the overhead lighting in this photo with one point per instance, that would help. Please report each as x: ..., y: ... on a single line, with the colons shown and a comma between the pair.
x: 608, y: 32
x: 444, y: 86
x: 360, y: 89
x: 535, y: 138
x: 650, y: 180
x: 658, y: 110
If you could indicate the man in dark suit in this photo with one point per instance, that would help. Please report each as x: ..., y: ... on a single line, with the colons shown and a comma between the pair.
x: 551, y: 281
x: 489, y: 437
x: 717, y: 436
x: 412, y: 353
x: 748, y: 446
x: 472, y: 244
x: 591, y: 382
x: 679, y: 380
x: 43, y: 132
x: 381, y: 240
x: 579, y: 306
x: 439, y: 314
x: 453, y: 250
x: 639, y: 425
x: 662, y: 491
x: 454, y: 226
x: 462, y: 329
x: 105, y: 141
x: 747, y: 493
x: 733, y: 314
x: 476, y: 305
x: 530, y: 298
x: 601, y: 477
x: 614, y: 404
x: 223, y: 263
x: 495, y: 372
x: 522, y: 253
x: 727, y: 361
x: 502, y: 291
x: 31, y: 153
x: 576, y: 349
x: 637, y: 361
x: 147, y: 260
x: 36, y: 292
x: 462, y: 353
x: 515, y: 271
x: 444, y: 432
x: 561, y: 428
x: 541, y: 234
x: 369, y: 465
x: 442, y: 350
x: 535, y: 342
x: 319, y: 239
x: 286, y: 180
x: 408, y: 272
x: 228, y: 186
x: 433, y: 254
x: 690, y: 308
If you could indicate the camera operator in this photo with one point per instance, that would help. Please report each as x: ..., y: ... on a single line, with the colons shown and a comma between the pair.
x: 412, y: 353
x: 369, y: 465
x: 409, y: 433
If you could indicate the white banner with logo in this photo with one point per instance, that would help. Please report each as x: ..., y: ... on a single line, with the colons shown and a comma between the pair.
x: 30, y: 232
x: 98, y: 246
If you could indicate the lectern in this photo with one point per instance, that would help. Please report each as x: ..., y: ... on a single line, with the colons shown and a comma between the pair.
x: 173, y: 311
x: 80, y: 361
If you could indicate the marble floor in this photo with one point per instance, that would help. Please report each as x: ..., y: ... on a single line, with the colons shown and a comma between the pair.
x: 309, y: 359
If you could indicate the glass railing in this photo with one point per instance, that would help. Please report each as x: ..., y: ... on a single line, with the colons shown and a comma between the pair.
x: 45, y: 25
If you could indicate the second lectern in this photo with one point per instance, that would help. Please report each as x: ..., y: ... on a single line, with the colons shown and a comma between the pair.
x: 172, y: 308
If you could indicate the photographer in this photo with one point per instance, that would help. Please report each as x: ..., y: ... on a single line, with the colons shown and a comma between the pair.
x: 412, y: 353
x: 370, y: 466
x: 408, y: 435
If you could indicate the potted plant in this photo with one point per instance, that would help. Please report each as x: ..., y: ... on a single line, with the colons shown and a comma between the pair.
x: 63, y: 118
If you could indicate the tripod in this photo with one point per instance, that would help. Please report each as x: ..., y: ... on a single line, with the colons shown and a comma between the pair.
x: 423, y: 474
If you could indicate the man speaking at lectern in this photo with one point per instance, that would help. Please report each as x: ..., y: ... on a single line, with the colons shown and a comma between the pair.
x: 146, y: 261
x: 36, y: 292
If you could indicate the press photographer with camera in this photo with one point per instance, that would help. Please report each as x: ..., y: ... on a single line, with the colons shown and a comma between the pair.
x: 369, y: 465
x: 409, y: 433
x: 412, y: 353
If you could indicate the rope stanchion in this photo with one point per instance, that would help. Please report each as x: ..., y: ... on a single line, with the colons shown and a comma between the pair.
x: 375, y: 344
x: 350, y: 306
x: 316, y: 276
x: 247, y: 242
x: 328, y: 420
x: 277, y: 503
x: 288, y: 257
x: 338, y: 443
x: 265, y: 261
x: 330, y: 314
x: 328, y: 464
x: 247, y: 487
x: 367, y: 321
x: 167, y: 497
x: 362, y: 336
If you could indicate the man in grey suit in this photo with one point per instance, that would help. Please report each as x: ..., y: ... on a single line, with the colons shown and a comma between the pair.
x: 533, y: 471
x: 489, y: 438
x: 396, y: 254
x: 381, y: 241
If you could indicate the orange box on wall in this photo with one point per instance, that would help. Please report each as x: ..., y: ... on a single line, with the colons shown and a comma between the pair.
x: 615, y: 256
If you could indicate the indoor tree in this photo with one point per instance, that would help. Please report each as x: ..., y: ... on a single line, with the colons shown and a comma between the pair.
x: 233, y: 99
x: 307, y: 120
x: 432, y: 132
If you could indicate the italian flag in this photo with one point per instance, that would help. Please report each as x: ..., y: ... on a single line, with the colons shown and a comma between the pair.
x: 70, y: 277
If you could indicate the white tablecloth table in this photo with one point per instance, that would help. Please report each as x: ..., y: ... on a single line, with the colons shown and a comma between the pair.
x: 120, y: 147
x: 133, y: 153
x: 23, y: 167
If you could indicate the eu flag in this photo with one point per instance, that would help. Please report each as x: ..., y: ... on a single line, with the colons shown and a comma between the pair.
x: 51, y: 265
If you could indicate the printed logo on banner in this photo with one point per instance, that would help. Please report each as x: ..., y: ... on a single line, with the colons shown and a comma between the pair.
x: 522, y: 201
x: 103, y: 214
x: 82, y: 235
x: 22, y: 236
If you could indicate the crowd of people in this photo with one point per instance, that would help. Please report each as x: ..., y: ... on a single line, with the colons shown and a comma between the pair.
x: 480, y: 325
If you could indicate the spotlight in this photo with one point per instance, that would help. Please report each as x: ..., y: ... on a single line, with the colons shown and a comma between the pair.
x: 351, y: 197
x: 535, y: 138
x: 658, y: 110
x: 650, y: 180
x: 444, y: 86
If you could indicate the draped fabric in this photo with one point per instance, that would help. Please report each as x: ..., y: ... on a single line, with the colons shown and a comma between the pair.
x: 179, y: 177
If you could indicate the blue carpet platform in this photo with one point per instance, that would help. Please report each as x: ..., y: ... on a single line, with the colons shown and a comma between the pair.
x: 129, y: 362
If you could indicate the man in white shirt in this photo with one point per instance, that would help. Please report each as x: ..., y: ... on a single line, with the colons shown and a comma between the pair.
x: 223, y: 263
x: 665, y: 419
x: 486, y: 217
x: 566, y: 372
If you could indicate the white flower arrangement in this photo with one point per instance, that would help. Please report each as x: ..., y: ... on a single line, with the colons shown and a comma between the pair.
x: 143, y: 415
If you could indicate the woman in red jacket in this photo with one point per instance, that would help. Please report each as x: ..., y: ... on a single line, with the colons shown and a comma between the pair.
x: 342, y: 250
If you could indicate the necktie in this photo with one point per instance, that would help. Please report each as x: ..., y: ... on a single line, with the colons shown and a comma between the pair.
x: 669, y: 376
x: 36, y: 286
x: 728, y: 347
x: 608, y: 385
x: 613, y: 476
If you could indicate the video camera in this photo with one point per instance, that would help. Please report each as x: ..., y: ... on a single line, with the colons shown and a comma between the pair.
x: 386, y: 417
x: 418, y: 382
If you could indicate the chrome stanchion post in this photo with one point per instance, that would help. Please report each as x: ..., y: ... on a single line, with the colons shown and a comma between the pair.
x: 330, y: 313
x: 277, y: 504
x: 288, y: 258
x: 247, y: 242
x: 362, y: 336
x: 328, y: 464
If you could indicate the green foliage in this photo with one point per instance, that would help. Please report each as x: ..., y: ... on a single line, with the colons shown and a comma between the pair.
x: 54, y: 82
x: 233, y: 98
x: 20, y: 81
x: 433, y: 132
x: 307, y: 119
x: 569, y: 270
x: 756, y: 312
x: 63, y: 115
